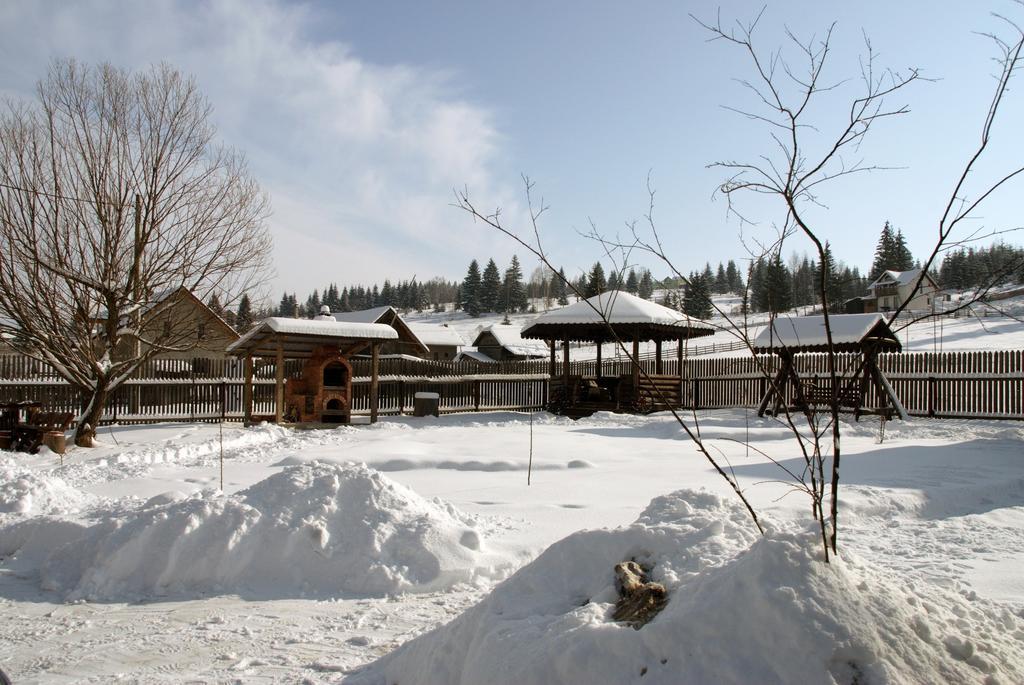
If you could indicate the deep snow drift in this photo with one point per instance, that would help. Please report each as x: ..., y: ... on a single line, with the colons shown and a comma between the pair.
x: 315, y: 529
x: 742, y: 609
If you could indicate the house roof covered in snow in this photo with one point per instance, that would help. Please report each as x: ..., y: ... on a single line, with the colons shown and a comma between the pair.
x: 471, y: 354
x: 900, y: 278
x: 299, y: 337
x: 438, y: 335
x: 850, y: 333
x: 510, y: 338
x: 627, y: 315
x: 385, y: 315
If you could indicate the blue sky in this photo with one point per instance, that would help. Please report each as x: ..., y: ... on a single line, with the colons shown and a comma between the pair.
x: 360, y: 118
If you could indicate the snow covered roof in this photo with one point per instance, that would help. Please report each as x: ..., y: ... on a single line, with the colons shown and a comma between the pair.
x: 474, y: 355
x: 364, y: 315
x: 627, y: 314
x: 849, y: 331
x: 384, y: 315
x: 510, y: 338
x: 299, y: 336
x: 900, y: 278
x: 438, y: 335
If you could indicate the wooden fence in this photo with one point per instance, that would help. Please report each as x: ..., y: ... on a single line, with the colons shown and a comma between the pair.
x: 986, y: 384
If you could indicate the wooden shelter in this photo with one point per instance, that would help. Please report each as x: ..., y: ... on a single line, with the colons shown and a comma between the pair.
x: 323, y: 393
x: 863, y: 335
x: 408, y: 341
x: 609, y: 317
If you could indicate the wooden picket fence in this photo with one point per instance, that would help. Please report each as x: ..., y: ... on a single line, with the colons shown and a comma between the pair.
x: 987, y: 384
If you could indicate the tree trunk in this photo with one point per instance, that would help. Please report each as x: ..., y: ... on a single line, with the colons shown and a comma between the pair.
x: 89, y: 419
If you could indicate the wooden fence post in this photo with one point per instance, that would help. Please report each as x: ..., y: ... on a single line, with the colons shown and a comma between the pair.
x: 476, y: 395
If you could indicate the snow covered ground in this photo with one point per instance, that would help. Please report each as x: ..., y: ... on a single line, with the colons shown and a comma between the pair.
x: 128, y: 564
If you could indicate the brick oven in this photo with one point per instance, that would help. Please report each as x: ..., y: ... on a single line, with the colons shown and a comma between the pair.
x: 323, y: 393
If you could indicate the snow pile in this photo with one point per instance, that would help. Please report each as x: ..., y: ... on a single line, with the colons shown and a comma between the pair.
x: 742, y: 608
x: 24, y: 492
x: 314, y: 529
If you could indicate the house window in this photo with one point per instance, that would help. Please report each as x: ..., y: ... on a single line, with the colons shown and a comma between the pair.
x: 201, y: 331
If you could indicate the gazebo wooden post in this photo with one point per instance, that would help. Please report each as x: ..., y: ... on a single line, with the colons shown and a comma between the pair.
x: 279, y: 385
x: 565, y: 372
x: 551, y: 370
x: 636, y: 363
x: 657, y: 357
x: 598, y: 370
x: 679, y: 368
x: 247, y: 392
x: 374, y: 372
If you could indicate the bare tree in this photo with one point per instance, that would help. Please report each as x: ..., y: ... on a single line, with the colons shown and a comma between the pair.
x: 795, y: 173
x: 114, y: 193
x: 808, y: 157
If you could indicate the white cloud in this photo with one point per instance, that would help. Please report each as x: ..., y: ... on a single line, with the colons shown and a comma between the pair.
x: 359, y: 158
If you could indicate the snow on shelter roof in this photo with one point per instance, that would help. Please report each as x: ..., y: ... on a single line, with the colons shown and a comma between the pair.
x: 849, y: 332
x: 300, y: 336
x: 438, y: 335
x: 510, y: 338
x: 364, y: 315
x: 627, y: 314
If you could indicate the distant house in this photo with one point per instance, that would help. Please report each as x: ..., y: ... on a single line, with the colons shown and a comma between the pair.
x: 408, y: 342
x: 893, y: 288
x: 179, y: 320
x: 505, y: 343
x: 445, y: 343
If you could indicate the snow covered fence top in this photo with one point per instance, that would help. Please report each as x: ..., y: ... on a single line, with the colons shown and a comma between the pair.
x: 300, y: 336
x: 628, y: 315
x: 850, y: 333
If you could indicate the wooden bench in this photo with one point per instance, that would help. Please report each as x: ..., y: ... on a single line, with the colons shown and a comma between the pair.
x: 42, y: 428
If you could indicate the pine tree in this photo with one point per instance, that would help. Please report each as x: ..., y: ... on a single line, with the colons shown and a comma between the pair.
x: 698, y: 296
x: 513, y: 290
x: 490, y: 288
x: 613, y: 281
x: 777, y: 291
x: 721, y: 280
x: 732, y: 275
x: 215, y: 306
x: 562, y: 288
x: 833, y: 285
x: 646, y: 287
x: 471, y: 290
x: 755, y: 281
x: 243, y: 317
x: 632, y: 282
x: 901, y: 257
x: 596, y: 283
x: 884, y: 252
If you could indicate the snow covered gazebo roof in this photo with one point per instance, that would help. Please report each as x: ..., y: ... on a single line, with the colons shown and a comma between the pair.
x: 299, y: 337
x: 628, y: 316
x: 850, y: 333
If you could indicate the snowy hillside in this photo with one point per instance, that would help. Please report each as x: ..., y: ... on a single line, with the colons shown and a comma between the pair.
x: 982, y: 328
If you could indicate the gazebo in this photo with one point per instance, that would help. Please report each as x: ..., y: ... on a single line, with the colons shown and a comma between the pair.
x: 866, y: 335
x: 608, y: 317
x: 323, y: 393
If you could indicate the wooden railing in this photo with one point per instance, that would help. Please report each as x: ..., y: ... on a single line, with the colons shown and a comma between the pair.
x: 987, y: 384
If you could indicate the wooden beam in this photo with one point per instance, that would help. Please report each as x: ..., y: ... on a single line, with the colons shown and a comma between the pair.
x: 551, y: 371
x: 374, y: 372
x: 247, y: 392
x: 657, y: 357
x: 569, y: 395
x: 279, y: 386
x: 636, y: 364
x: 598, y: 360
